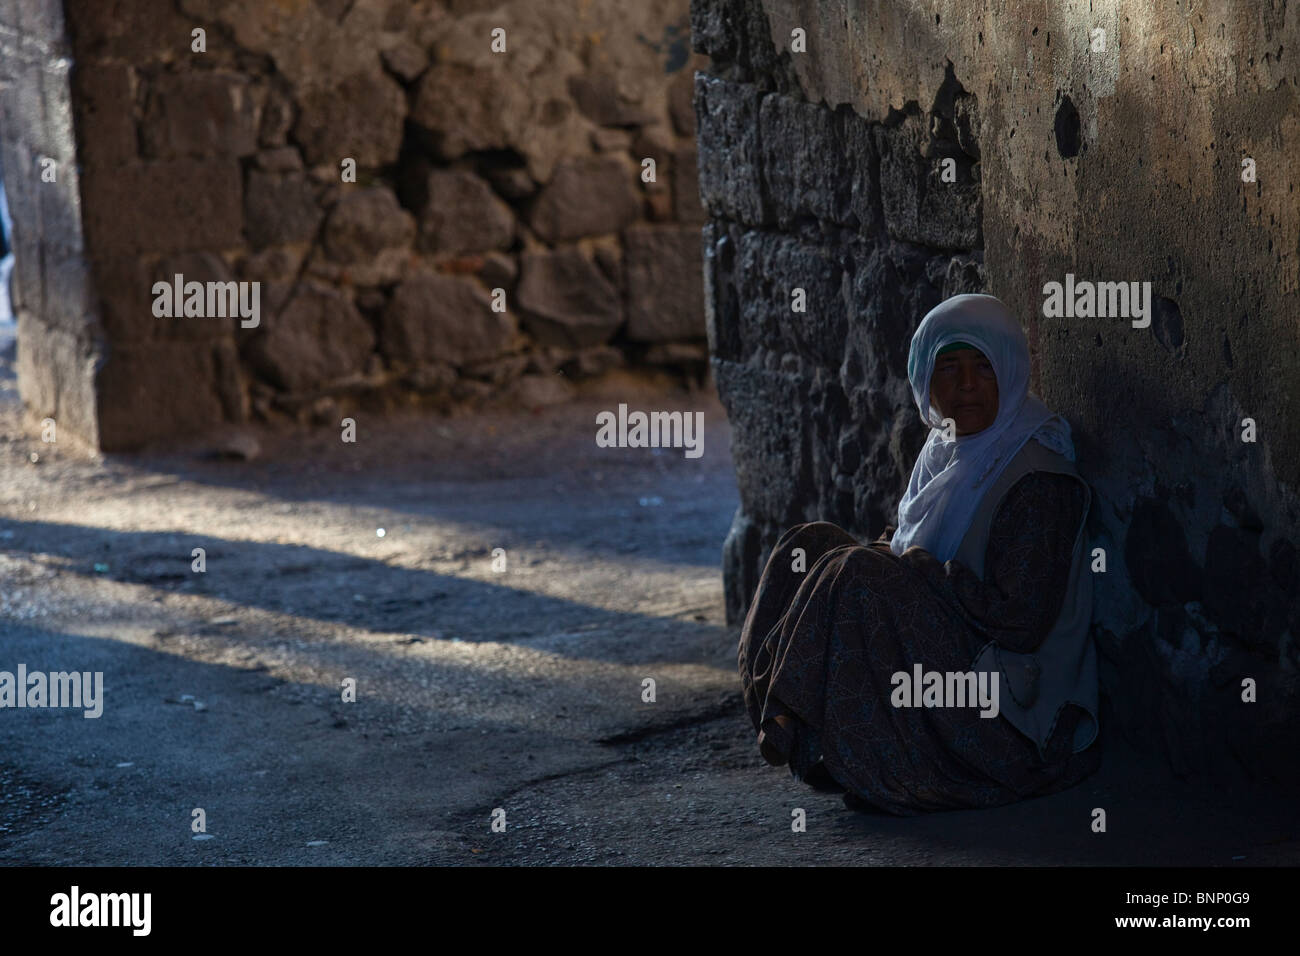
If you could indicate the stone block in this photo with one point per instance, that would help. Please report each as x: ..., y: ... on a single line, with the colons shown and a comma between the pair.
x: 719, y: 242
x: 279, y: 208
x: 56, y: 375
x: 405, y: 59
x: 768, y: 411
x: 805, y: 173
x: 124, y: 285
x: 681, y: 104
x: 129, y: 31
x: 364, y: 222
x: 743, y: 555
x: 447, y: 319
x: 857, y: 147
x: 66, y: 280
x: 738, y: 32
x: 464, y: 108
x: 105, y: 98
x: 729, y: 170
x: 771, y: 268
x: 918, y: 206
x: 567, y: 300
x: 587, y: 196
x: 319, y: 338
x: 139, y: 389
x: 163, y: 206
x: 461, y: 213
x: 60, y: 212
x: 200, y: 114
x: 361, y: 118
x: 280, y: 159
x: 597, y: 95
x: 665, y: 286
x: 686, y: 187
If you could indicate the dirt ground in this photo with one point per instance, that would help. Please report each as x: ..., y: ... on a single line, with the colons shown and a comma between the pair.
x: 476, y: 689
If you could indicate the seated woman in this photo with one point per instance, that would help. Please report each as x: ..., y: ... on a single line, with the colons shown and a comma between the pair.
x: 985, y: 571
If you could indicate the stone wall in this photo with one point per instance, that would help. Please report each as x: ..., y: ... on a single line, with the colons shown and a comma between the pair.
x: 476, y: 170
x: 820, y: 170
x: 50, y: 281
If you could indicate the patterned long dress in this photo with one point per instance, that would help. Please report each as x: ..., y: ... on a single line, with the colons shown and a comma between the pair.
x: 820, y: 646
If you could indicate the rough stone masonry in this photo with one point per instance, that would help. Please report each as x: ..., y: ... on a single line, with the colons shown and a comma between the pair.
x: 1118, y: 160
x: 221, y: 159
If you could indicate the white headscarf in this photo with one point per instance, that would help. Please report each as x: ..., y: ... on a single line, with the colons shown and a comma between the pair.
x: 950, y: 477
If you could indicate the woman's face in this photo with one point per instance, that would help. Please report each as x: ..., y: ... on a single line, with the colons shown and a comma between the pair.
x: 965, y: 389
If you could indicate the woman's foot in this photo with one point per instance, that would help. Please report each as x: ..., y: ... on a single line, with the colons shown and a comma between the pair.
x: 775, y: 745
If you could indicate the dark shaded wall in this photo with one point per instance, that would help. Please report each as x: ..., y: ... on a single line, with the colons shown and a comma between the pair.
x: 820, y: 170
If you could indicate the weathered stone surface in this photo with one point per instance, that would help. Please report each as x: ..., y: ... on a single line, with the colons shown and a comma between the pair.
x: 281, y: 159
x: 597, y: 95
x: 772, y: 267
x: 499, y: 271
x: 677, y: 353
x: 658, y: 205
x: 138, y: 387
x: 918, y: 205
x: 68, y: 300
x: 686, y: 187
x: 738, y: 32
x: 277, y: 118
x: 567, y: 300
x: 538, y: 391
x: 360, y: 118
x: 654, y: 141
x: 405, y: 59
x: 271, y: 264
x: 742, y: 552
x: 767, y: 438
x: 474, y: 99
x: 462, y: 214
x: 139, y: 34
x: 125, y: 287
x: 319, y: 338
x: 512, y: 182
x: 200, y: 114
x: 308, y: 43
x: 164, y: 206
x: 588, y: 196
x: 364, y: 223
x: 467, y: 108
x: 588, y: 363
x: 105, y: 94
x: 498, y: 371
x: 431, y: 377
x: 665, y: 286
x: 729, y: 167
x: 607, y: 140
x: 57, y: 376
x: 445, y: 319
x: 681, y: 104
x: 280, y: 207
x: 805, y: 171
x: 856, y: 144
